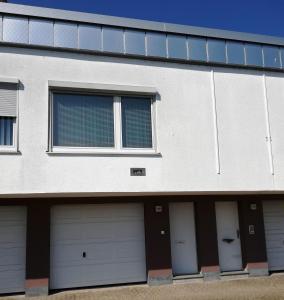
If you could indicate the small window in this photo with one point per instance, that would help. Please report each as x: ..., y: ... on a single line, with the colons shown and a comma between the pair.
x: 8, y: 116
x: 136, y: 123
x: 101, y: 123
x: 7, y: 131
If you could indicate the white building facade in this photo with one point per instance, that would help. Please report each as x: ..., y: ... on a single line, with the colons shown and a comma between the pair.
x: 129, y: 148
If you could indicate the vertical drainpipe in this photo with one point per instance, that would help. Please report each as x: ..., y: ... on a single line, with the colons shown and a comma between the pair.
x: 268, y: 128
x: 215, y: 118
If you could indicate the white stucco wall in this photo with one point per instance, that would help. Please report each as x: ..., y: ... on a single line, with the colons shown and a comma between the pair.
x: 185, y: 128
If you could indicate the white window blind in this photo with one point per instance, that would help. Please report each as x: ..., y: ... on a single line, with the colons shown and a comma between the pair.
x: 8, y: 99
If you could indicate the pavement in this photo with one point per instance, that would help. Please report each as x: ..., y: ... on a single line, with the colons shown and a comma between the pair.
x: 235, y: 288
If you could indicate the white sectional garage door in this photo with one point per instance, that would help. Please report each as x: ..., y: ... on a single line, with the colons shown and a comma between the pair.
x: 97, y: 245
x: 273, y: 212
x: 12, y: 249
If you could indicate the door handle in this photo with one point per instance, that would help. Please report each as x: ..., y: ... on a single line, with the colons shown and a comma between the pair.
x: 228, y: 240
x: 84, y: 254
x: 238, y: 233
x: 180, y: 242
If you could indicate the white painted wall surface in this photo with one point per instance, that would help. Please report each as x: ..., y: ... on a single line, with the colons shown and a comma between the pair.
x: 185, y: 128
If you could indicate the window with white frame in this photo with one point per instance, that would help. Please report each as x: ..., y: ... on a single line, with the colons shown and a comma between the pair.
x: 101, y: 123
x: 8, y: 116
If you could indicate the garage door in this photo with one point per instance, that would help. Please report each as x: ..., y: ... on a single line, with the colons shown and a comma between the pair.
x: 97, y: 245
x: 12, y: 249
x: 274, y: 232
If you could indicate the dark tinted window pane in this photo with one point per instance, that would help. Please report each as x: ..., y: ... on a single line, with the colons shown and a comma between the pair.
x: 235, y: 53
x: 216, y: 51
x: 254, y: 55
x: 90, y: 37
x: 156, y: 44
x: 136, y: 123
x: 135, y: 42
x: 197, y: 49
x: 15, y: 29
x: 177, y: 46
x: 83, y: 120
x: 6, y: 131
x: 113, y: 40
x: 271, y: 57
x: 282, y: 56
x: 65, y: 35
x: 1, y: 28
x: 41, y: 32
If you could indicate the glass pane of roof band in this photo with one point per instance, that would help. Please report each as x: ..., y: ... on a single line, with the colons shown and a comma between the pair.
x: 113, y: 40
x: 271, y: 57
x: 41, y: 32
x: 282, y: 57
x: 216, y: 51
x: 177, y: 46
x: 254, y: 55
x: 197, y: 49
x: 235, y: 53
x: 156, y: 44
x: 135, y: 42
x: 1, y: 28
x: 90, y: 37
x: 65, y: 35
x: 15, y: 30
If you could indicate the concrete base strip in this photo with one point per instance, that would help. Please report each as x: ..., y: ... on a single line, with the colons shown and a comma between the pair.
x: 257, y: 269
x: 37, y: 287
x: 159, y: 277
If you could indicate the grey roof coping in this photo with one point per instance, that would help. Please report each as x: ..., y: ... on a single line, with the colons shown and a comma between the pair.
x: 57, y: 14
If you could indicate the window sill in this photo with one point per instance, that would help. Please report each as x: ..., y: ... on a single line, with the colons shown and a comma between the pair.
x: 10, y: 151
x: 104, y: 153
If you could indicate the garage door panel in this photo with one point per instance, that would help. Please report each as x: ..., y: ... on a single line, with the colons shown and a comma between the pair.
x: 129, y: 230
x: 112, y: 237
x: 273, y: 212
x: 66, y: 214
x: 13, y: 213
x: 99, y: 231
x: 12, y: 256
x: 66, y: 232
x: 12, y: 249
x: 106, y: 273
x: 66, y: 253
x: 130, y: 250
x: 12, y: 281
x: 75, y: 277
x: 10, y: 234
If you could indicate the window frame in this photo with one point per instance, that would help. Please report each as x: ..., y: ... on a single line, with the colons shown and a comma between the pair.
x: 6, y: 149
x: 118, y: 148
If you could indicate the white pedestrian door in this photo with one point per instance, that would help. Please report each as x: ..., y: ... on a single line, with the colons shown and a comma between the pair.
x: 12, y: 249
x: 97, y: 245
x: 229, y: 245
x: 183, y: 243
x: 273, y: 212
